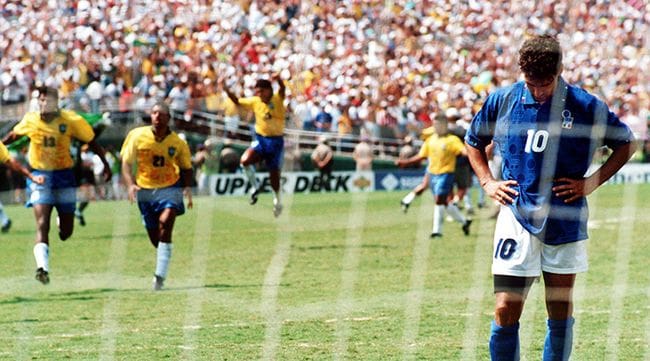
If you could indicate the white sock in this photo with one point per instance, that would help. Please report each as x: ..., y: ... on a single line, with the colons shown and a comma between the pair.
x: 163, y: 255
x: 3, y: 216
x: 438, y: 216
x: 467, y: 201
x: 250, y: 175
x: 408, y: 198
x: 41, y: 254
x: 454, y: 212
x: 276, y: 197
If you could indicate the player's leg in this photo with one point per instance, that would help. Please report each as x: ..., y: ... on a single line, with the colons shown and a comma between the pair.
x: 406, y: 201
x: 440, y: 198
x: 5, y: 222
x: 516, y: 263
x: 274, y: 156
x: 559, y: 306
x: 560, y: 264
x: 444, y: 188
x: 247, y: 163
x: 164, y: 249
x: 42, y: 214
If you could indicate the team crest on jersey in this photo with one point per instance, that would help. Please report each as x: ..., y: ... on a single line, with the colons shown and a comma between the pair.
x: 62, y: 128
x: 171, y: 151
x: 567, y: 119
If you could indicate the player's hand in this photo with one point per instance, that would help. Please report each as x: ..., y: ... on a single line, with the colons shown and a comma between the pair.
x: 108, y: 174
x: 133, y: 190
x: 501, y: 191
x: 187, y: 191
x: 38, y: 179
x: 571, y: 189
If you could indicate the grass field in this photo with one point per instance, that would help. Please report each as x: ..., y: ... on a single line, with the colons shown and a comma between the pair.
x: 336, y: 277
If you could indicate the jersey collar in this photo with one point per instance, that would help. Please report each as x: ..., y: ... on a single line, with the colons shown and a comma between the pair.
x: 527, y: 97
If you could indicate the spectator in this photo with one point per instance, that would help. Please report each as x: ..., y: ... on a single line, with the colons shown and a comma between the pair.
x: 323, y: 159
x: 362, y: 154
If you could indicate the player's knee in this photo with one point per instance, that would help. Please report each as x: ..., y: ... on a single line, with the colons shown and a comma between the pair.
x: 507, y: 313
x: 65, y: 234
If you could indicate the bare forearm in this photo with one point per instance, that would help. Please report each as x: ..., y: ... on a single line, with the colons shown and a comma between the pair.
x: 619, y: 157
x: 479, y: 161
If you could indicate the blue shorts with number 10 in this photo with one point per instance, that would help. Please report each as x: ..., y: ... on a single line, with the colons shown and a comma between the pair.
x: 271, y: 149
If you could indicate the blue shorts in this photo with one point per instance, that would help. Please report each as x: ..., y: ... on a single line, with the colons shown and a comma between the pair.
x: 59, y: 190
x: 271, y: 149
x: 152, y: 202
x: 441, y: 184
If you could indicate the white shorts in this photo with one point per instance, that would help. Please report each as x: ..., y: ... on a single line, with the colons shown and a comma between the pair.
x: 518, y: 253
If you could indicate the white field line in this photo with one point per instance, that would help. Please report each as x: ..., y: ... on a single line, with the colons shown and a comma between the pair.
x: 476, y: 292
x: 349, y: 268
x: 647, y: 326
x: 413, y: 299
x: 621, y: 269
x: 110, y: 326
x: 200, y: 251
x: 272, y: 279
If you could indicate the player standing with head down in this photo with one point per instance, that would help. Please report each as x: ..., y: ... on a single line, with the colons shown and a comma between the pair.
x: 268, y: 143
x: 50, y: 132
x: 162, y: 164
x: 546, y: 131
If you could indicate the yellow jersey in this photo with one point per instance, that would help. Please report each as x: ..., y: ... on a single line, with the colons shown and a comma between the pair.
x: 4, y: 153
x: 269, y: 118
x: 49, y: 143
x: 158, y: 163
x: 441, y: 151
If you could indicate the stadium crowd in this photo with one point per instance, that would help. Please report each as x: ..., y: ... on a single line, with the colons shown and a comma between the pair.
x: 374, y: 68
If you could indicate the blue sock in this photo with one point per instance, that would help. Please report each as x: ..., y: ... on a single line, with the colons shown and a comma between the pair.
x: 559, y: 339
x: 504, y: 342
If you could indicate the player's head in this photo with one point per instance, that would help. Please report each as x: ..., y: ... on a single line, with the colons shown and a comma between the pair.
x: 540, y: 59
x: 440, y: 123
x: 264, y: 90
x: 160, y: 115
x: 48, y: 100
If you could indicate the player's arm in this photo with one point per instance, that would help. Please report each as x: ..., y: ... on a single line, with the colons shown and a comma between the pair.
x: 10, y: 137
x: 16, y: 166
x: 573, y: 189
x: 129, y: 180
x: 230, y: 94
x: 281, y: 87
x: 416, y: 159
x: 99, y: 150
x: 501, y: 191
x: 186, y: 176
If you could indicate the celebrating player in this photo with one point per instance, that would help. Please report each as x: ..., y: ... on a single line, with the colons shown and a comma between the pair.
x: 268, y: 144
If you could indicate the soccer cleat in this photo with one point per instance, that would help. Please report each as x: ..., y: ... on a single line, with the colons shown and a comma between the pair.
x: 6, y: 226
x: 254, y: 194
x: 158, y: 282
x: 405, y: 206
x: 42, y: 276
x: 466, y: 226
x: 436, y: 235
x: 277, y: 210
x: 80, y: 217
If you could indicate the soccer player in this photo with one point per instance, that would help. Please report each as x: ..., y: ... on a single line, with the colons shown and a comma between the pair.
x: 268, y: 142
x: 162, y: 164
x: 50, y: 131
x: 546, y: 131
x: 441, y: 149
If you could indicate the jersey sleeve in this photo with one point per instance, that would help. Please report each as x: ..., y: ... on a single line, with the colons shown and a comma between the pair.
x: 617, y: 133
x: 4, y: 153
x: 127, y: 153
x: 25, y: 125
x: 79, y: 127
x: 248, y: 102
x: 481, y: 129
x: 424, y: 149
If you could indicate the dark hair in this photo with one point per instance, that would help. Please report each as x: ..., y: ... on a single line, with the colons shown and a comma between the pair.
x: 264, y: 84
x: 164, y: 108
x: 540, y: 57
x: 441, y: 118
x: 47, y: 91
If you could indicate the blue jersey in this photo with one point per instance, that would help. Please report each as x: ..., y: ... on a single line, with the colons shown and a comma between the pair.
x: 542, y: 142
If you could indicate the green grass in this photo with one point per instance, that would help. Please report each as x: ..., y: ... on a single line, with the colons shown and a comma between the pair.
x: 336, y: 277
